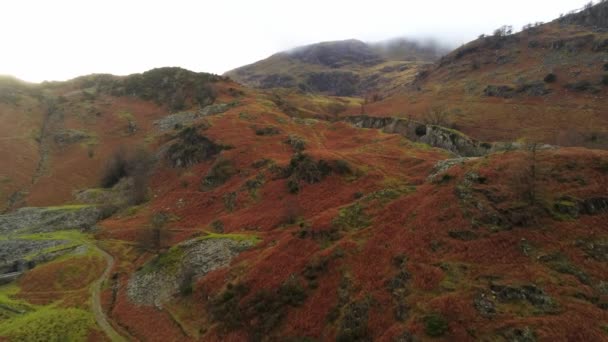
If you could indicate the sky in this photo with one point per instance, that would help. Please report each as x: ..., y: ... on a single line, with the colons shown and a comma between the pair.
x: 62, y: 39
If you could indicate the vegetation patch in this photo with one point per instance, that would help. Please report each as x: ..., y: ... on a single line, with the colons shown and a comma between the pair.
x: 49, y: 324
x: 236, y: 237
x: 561, y: 264
x: 219, y: 174
x: 352, y: 217
x: 353, y: 325
x: 191, y: 148
x: 260, y: 315
x: 435, y: 325
x: 169, y: 260
x: 266, y: 131
x: 298, y: 144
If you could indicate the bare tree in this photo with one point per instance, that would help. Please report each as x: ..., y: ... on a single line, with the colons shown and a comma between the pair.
x: 437, y: 116
x: 154, y: 238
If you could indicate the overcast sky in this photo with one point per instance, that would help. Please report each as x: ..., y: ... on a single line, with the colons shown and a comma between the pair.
x: 62, y: 39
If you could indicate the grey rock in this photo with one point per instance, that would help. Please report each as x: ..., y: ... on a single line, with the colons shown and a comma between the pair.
x: 436, y: 136
x: 158, y: 281
x: 70, y: 136
x: 178, y: 120
x: 49, y: 219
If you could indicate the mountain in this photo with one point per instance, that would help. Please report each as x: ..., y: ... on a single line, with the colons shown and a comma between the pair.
x: 176, y: 205
x: 546, y: 83
x: 342, y: 68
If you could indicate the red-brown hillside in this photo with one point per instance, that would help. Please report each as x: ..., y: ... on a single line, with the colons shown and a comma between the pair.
x: 546, y: 83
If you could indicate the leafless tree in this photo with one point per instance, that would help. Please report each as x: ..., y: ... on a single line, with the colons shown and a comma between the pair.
x: 437, y: 116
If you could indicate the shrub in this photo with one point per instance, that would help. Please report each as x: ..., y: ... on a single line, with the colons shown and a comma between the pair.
x: 219, y: 174
x: 135, y: 165
x: 353, y: 326
x: 550, y: 78
x: 342, y: 167
x: 225, y: 306
x: 297, y: 143
x: 581, y: 86
x: 186, y: 283
x: 352, y: 217
x: 267, y: 131
x: 217, y: 226
x: 435, y: 325
x: 605, y: 80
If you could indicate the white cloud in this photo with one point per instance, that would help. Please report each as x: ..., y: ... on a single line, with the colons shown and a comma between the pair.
x: 61, y: 39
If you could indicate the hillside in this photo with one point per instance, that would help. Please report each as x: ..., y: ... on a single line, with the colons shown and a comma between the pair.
x: 173, y: 205
x: 342, y: 68
x: 274, y: 227
x: 547, y: 83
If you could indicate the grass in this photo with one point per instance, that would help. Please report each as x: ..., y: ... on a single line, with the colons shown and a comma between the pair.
x: 69, y: 207
x: 9, y: 306
x: 49, y: 323
x: 235, y: 237
x: 169, y: 260
x: 352, y: 217
x: 72, y: 235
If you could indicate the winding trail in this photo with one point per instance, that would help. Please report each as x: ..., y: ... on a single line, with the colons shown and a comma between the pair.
x: 100, y: 316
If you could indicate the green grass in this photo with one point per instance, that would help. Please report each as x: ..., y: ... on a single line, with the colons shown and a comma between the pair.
x: 169, y: 261
x: 72, y: 235
x: 235, y: 237
x: 49, y: 324
x: 69, y: 207
x: 352, y: 217
x: 9, y: 305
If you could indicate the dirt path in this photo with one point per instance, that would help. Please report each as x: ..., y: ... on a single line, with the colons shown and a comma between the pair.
x: 100, y: 316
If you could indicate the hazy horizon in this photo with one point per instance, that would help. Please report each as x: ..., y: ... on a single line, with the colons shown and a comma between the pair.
x: 64, y: 39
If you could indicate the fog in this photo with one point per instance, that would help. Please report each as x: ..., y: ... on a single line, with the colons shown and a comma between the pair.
x: 62, y: 39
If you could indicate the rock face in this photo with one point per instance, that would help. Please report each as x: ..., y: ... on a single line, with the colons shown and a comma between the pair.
x: 70, y: 136
x: 436, y: 136
x: 164, y: 276
x: 14, y: 252
x: 191, y: 148
x: 178, y: 120
x: 36, y: 220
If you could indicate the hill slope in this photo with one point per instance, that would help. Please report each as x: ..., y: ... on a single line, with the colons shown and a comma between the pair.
x: 547, y: 83
x: 273, y: 227
x: 342, y: 68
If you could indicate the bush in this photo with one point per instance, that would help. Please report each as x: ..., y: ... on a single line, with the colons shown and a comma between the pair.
x: 605, y: 80
x: 297, y: 143
x: 267, y: 131
x: 135, y: 165
x: 219, y: 174
x: 435, y: 325
x: 550, y: 78
x: 342, y: 167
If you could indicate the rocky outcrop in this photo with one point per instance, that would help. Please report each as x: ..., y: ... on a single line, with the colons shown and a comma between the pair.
x: 119, y: 196
x: 436, y: 136
x: 165, y: 276
x: 13, y: 253
x: 178, y: 120
x: 444, y: 165
x: 35, y: 220
x: 191, y: 148
x: 70, y: 136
